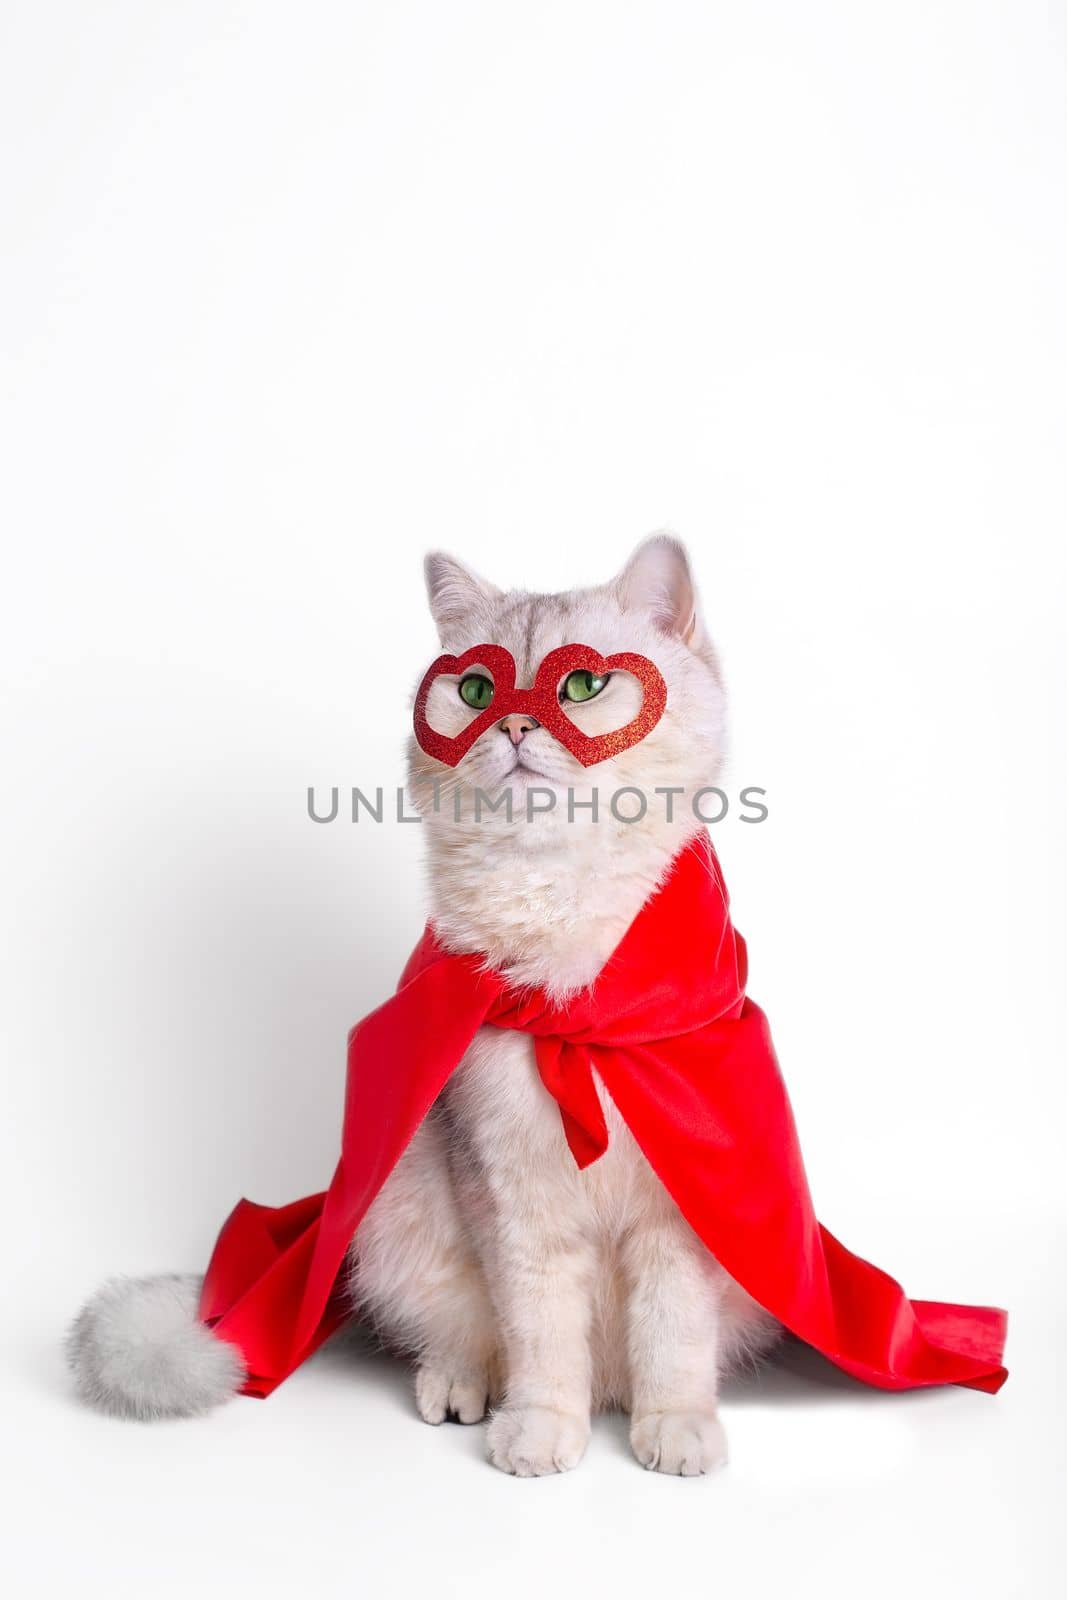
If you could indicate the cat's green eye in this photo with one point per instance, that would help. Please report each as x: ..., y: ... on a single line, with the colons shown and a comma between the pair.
x: 582, y: 686
x: 477, y: 691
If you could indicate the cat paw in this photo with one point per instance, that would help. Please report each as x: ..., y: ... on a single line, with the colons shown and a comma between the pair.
x: 440, y: 1394
x: 532, y: 1441
x: 685, y: 1443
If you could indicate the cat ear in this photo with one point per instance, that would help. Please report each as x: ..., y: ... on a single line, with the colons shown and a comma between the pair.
x: 658, y: 578
x: 454, y: 590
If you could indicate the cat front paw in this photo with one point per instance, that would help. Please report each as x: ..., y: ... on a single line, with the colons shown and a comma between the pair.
x: 532, y: 1441
x: 440, y: 1393
x: 685, y: 1443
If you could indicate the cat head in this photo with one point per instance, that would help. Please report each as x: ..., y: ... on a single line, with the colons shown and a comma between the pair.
x: 649, y: 609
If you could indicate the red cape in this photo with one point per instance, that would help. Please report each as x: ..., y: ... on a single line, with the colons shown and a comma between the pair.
x: 688, y: 1061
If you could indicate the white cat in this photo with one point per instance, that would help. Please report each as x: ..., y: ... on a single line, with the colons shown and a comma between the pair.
x: 513, y: 1278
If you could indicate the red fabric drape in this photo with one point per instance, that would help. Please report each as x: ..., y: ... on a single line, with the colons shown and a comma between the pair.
x: 688, y: 1061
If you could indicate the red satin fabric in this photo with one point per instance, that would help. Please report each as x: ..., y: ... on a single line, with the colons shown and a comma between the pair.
x: 687, y: 1059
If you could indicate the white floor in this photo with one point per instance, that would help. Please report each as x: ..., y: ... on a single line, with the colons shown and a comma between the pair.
x: 333, y: 1487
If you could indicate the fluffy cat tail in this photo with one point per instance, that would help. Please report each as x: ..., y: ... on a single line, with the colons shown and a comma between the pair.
x: 138, y: 1349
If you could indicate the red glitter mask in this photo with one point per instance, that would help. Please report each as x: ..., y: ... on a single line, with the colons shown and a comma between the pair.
x: 542, y: 700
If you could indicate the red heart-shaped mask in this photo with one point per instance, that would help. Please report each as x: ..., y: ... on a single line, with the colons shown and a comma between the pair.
x: 542, y: 700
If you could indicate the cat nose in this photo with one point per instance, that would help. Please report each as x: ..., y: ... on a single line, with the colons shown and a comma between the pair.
x: 517, y: 726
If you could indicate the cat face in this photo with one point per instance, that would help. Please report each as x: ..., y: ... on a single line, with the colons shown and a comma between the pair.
x: 650, y: 609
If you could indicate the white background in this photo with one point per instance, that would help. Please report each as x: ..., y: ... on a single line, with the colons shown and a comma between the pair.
x: 292, y: 293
